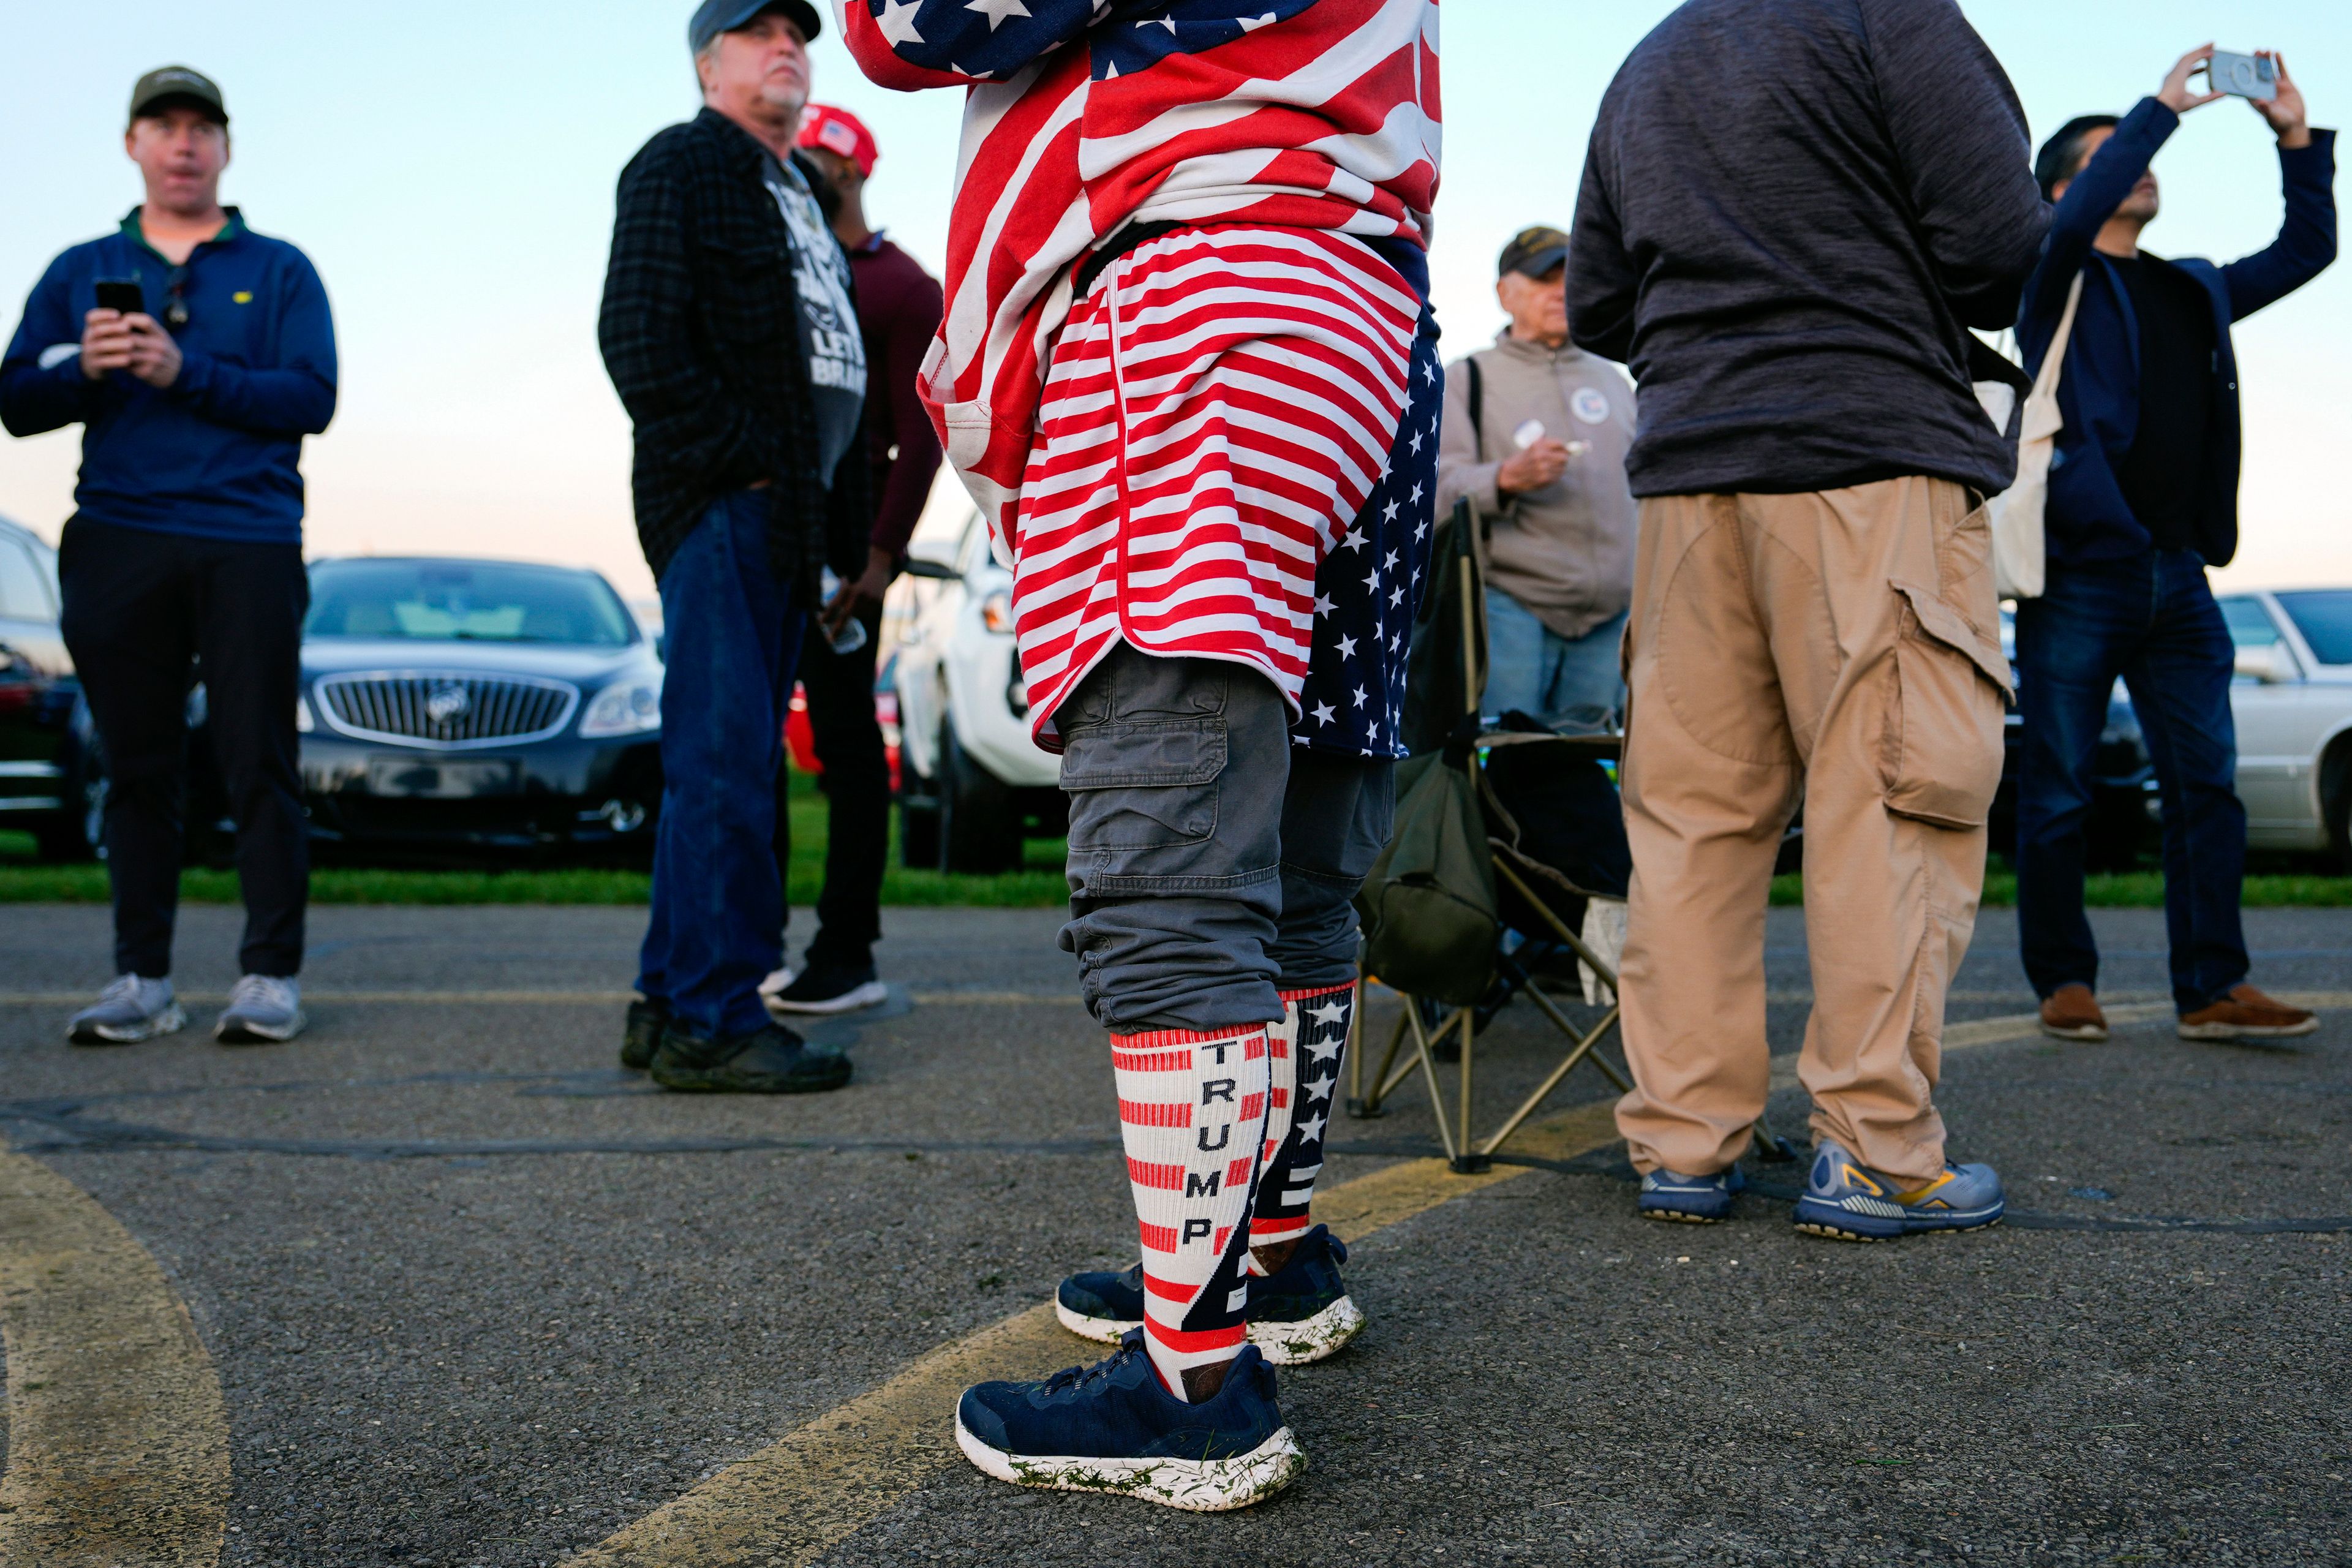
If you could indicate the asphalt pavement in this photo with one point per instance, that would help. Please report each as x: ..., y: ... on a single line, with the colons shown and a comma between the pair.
x: 476, y: 1296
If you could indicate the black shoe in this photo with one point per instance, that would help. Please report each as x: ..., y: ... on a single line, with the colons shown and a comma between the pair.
x: 770, y: 1061
x: 822, y: 988
x: 641, y: 1037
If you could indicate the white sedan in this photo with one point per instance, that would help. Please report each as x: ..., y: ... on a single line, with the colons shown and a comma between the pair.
x: 972, y: 784
x: 2292, y: 701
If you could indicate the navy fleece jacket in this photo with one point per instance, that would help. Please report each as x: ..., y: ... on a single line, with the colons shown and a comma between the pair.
x: 216, y: 453
x: 2088, y: 519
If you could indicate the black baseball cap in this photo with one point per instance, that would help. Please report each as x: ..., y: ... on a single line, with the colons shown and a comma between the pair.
x: 166, y: 86
x: 1533, y: 252
x: 713, y: 18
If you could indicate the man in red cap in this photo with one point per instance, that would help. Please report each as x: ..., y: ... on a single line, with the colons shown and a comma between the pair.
x: 898, y: 310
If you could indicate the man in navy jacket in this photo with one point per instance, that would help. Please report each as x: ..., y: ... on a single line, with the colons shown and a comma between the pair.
x: 2143, y: 500
x: 186, y: 542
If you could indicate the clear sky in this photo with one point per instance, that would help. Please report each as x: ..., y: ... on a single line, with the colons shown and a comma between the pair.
x: 449, y: 166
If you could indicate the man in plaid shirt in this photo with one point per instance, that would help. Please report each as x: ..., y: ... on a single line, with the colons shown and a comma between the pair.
x: 730, y: 330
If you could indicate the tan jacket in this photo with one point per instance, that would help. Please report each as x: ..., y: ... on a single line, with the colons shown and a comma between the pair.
x: 1566, y: 551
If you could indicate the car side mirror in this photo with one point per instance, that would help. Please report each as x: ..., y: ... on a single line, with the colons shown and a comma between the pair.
x: 2272, y: 664
x: 917, y: 567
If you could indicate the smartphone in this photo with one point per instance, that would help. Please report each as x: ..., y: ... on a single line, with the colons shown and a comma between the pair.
x: 2245, y: 76
x: 120, y: 294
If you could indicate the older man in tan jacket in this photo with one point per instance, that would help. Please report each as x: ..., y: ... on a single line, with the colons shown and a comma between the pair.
x: 1536, y: 434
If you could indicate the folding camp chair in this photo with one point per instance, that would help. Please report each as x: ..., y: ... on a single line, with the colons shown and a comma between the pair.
x: 1538, y: 899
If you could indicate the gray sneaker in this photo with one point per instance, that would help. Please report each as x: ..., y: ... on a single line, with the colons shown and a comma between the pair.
x: 128, y: 1011
x: 263, y: 1010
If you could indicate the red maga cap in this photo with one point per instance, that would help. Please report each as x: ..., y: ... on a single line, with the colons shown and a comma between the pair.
x: 838, y: 131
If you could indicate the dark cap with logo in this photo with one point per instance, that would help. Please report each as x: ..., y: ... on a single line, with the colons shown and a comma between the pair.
x: 172, y: 87
x: 1533, y: 252
x: 713, y: 18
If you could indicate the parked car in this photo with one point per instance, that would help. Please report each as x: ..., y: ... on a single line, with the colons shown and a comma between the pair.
x: 41, y: 766
x: 973, y: 785
x: 2292, y: 701
x: 476, y: 710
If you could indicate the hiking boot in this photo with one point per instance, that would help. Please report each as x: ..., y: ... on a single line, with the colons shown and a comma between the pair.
x: 2245, y: 1013
x: 1298, y: 1314
x: 641, y: 1036
x: 1690, y: 1200
x: 823, y: 988
x: 1112, y: 1428
x: 1847, y: 1202
x: 773, y: 1060
x: 2072, y: 1013
x: 128, y: 1011
x: 263, y: 1010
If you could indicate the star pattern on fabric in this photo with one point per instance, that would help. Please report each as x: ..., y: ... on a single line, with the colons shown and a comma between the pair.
x: 897, y: 20
x: 997, y: 11
x: 1369, y: 585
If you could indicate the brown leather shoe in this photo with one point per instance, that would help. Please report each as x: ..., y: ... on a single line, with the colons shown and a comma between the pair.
x: 2247, y: 1014
x: 2072, y: 1013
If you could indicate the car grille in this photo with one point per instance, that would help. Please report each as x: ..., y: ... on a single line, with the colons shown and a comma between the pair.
x: 445, y: 713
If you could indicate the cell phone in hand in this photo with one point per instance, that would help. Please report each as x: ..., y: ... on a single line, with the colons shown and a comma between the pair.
x: 2242, y: 76
x: 121, y: 294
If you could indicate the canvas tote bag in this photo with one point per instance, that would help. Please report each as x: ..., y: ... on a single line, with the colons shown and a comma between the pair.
x: 2017, y: 560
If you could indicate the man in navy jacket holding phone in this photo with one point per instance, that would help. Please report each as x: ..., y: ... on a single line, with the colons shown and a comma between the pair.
x: 2143, y: 500
x: 183, y: 557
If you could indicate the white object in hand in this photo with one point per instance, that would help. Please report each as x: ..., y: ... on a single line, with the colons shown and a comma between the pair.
x: 1528, y: 434
x: 1578, y: 448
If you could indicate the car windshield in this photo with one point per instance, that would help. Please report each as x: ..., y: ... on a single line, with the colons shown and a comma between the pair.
x: 469, y: 601
x: 2324, y: 619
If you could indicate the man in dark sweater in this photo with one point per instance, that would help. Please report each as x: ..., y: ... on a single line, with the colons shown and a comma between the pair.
x: 898, y: 307
x: 186, y: 543
x: 729, y: 331
x: 2143, y: 499
x: 1792, y: 211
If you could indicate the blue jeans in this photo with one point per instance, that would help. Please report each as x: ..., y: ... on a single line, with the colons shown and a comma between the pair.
x: 2152, y: 621
x: 718, y: 901
x: 1536, y: 671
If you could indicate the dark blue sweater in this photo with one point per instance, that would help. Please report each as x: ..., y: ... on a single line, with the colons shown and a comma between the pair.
x: 2087, y: 520
x: 216, y: 453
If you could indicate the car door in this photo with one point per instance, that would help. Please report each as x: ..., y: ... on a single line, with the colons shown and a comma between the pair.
x: 2266, y: 699
x: 35, y: 695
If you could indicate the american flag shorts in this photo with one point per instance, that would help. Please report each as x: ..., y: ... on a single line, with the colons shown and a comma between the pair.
x: 1217, y: 411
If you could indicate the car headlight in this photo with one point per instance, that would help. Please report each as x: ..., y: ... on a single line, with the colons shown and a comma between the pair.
x: 630, y: 708
x: 996, y: 613
x: 303, y: 722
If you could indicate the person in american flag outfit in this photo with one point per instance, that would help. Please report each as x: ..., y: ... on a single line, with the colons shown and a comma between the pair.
x: 1189, y: 372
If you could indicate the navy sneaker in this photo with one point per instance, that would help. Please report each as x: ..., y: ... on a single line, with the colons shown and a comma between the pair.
x: 1844, y: 1201
x: 1111, y: 1427
x: 1690, y: 1200
x: 1298, y: 1314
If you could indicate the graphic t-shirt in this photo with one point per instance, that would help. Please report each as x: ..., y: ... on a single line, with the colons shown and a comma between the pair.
x: 830, y: 344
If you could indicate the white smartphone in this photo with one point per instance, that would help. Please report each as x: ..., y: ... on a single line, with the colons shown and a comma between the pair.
x: 2242, y: 76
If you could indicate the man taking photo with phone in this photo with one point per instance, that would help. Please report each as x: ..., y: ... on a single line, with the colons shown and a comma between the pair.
x: 195, y: 354
x: 2143, y: 500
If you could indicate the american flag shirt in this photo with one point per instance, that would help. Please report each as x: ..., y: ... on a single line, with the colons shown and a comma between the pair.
x: 1297, y: 143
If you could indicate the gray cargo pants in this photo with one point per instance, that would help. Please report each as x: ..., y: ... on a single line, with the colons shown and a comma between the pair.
x: 1213, y: 864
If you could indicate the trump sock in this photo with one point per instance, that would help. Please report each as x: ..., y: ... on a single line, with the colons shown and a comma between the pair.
x: 1191, y: 1114
x: 1303, y: 1052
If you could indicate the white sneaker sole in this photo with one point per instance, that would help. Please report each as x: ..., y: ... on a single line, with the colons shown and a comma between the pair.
x: 1197, y: 1485
x: 248, y: 1033
x: 2248, y: 1032
x: 873, y: 994
x: 1314, y: 1339
x: 170, y: 1021
x: 2089, y: 1033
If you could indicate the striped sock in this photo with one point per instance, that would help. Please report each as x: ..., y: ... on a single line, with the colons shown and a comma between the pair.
x: 1304, y: 1050
x: 1191, y: 1113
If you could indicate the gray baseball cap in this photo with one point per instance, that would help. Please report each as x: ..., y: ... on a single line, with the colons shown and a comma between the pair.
x: 713, y: 18
x: 166, y: 85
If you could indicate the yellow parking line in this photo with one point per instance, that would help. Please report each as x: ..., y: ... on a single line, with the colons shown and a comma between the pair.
x: 118, y: 1447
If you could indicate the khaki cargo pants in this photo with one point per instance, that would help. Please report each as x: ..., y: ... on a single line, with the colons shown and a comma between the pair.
x: 1841, y: 648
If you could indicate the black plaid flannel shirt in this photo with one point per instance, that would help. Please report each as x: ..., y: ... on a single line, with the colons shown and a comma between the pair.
x: 700, y: 334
